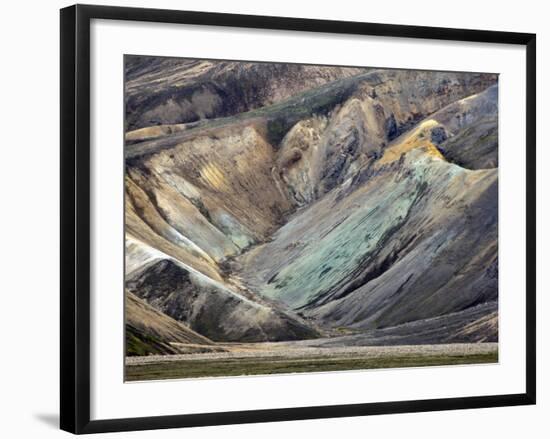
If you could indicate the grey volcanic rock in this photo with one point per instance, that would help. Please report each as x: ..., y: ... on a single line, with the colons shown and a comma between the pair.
x: 211, y: 309
x: 396, y: 249
x: 475, y: 324
x: 152, y: 332
x: 474, y: 147
x: 406, y: 96
x: 470, y: 128
x: 145, y: 318
x: 162, y: 91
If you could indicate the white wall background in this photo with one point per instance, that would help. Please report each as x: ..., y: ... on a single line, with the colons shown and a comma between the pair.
x: 29, y: 248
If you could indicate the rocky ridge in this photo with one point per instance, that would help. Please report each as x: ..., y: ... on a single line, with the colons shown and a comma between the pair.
x: 368, y: 201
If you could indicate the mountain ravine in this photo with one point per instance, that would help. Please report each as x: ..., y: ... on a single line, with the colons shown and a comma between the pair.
x: 324, y: 206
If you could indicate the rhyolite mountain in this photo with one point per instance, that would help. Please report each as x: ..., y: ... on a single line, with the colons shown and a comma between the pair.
x: 273, y: 202
x: 162, y: 91
x: 149, y: 331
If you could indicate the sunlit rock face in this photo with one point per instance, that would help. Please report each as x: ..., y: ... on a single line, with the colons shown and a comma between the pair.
x: 269, y: 202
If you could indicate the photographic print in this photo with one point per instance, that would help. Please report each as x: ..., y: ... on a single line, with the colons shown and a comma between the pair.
x: 293, y: 218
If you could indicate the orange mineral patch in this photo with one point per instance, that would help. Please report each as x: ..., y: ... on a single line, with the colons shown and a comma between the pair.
x: 419, y: 138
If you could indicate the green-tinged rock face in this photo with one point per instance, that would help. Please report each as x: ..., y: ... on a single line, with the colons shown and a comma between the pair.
x: 413, y: 224
x: 273, y: 202
x: 332, y: 254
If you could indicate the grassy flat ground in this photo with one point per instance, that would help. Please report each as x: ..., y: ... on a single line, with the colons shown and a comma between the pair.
x: 234, y: 364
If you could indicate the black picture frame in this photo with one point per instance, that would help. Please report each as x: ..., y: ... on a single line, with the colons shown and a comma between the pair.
x: 75, y: 217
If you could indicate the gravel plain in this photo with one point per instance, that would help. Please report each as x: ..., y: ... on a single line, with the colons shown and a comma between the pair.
x: 289, y: 350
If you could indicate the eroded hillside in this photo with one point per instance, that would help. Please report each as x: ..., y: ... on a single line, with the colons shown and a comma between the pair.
x: 270, y: 202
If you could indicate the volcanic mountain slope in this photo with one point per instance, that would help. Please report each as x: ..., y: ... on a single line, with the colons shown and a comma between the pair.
x: 417, y: 240
x: 216, y: 309
x: 149, y: 331
x: 164, y: 91
x: 472, y: 325
x: 409, y: 237
x: 366, y: 202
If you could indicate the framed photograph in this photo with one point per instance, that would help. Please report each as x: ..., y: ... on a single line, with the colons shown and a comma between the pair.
x: 268, y: 219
